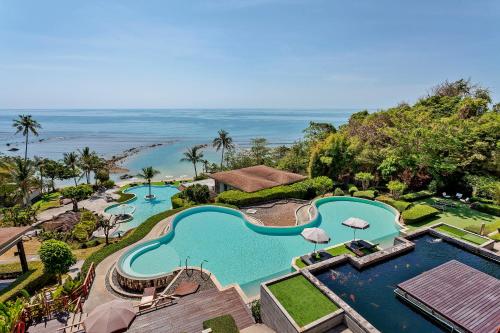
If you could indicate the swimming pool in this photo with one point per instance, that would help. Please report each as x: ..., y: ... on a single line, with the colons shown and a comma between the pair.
x: 371, y: 291
x: 144, y: 208
x: 238, y: 251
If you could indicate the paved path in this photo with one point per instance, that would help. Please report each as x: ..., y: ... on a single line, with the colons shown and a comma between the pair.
x: 99, y: 293
x: 95, y: 205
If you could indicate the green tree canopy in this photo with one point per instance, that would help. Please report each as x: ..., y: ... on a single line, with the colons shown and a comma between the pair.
x: 56, y: 256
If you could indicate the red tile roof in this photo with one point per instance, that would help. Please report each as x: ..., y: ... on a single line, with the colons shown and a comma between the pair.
x: 256, y: 178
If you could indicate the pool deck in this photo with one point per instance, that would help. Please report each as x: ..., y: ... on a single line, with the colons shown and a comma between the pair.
x: 462, y: 295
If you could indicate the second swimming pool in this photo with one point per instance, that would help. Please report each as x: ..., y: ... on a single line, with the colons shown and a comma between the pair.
x: 237, y: 251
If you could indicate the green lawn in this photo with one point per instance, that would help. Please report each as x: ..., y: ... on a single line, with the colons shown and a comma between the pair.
x: 461, y: 234
x: 47, y: 201
x: 461, y: 216
x: 304, y: 302
x: 334, y: 251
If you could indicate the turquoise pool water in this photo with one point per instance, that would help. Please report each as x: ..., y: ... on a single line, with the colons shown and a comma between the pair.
x: 240, y: 252
x: 144, y: 208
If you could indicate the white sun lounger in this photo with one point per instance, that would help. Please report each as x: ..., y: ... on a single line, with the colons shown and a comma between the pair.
x: 251, y: 211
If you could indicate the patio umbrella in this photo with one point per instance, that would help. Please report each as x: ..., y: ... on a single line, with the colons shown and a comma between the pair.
x: 110, y: 317
x: 355, y: 223
x: 315, y: 235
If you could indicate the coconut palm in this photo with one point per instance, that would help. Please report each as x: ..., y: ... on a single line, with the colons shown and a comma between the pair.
x: 193, y: 155
x: 39, y: 166
x: 25, y: 124
x: 71, y: 161
x: 87, y: 162
x: 22, y: 176
x: 148, y: 173
x: 222, y: 142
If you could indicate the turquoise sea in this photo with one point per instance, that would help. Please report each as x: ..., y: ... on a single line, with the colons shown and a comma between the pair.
x: 110, y: 132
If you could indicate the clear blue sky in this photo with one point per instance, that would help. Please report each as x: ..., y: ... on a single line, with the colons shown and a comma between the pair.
x: 242, y: 53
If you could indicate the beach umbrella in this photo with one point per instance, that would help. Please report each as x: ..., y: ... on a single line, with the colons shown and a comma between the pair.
x: 110, y: 317
x: 356, y: 223
x: 315, y: 235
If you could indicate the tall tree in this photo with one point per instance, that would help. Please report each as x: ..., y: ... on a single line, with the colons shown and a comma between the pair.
x: 25, y: 124
x: 223, y: 142
x: 71, y: 161
x: 22, y: 176
x: 193, y: 155
x: 40, y: 165
x: 89, y: 162
x: 148, y: 173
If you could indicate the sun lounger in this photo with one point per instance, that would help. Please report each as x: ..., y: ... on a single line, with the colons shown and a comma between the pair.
x: 446, y: 195
x: 251, y: 211
x: 366, y: 245
x: 148, y: 297
x: 459, y: 196
x: 466, y: 200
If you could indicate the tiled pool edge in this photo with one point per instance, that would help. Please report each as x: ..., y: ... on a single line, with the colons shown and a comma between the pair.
x: 276, y: 317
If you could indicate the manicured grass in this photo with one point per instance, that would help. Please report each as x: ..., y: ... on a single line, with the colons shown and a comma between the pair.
x: 47, y: 201
x: 461, y: 216
x: 461, y: 234
x: 302, y: 300
x: 299, y: 263
x: 400, y: 205
x: 338, y: 250
x: 221, y: 324
x: 419, y: 213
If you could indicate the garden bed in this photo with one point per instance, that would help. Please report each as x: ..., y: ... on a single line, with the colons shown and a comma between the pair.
x: 461, y: 234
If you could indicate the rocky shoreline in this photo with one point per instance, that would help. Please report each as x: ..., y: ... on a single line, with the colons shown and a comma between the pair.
x: 115, y: 162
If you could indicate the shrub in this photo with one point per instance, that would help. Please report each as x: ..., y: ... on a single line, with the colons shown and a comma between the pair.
x: 419, y: 213
x: 221, y: 324
x: 178, y: 201
x: 108, y: 184
x: 306, y: 189
x: 368, y: 194
x: 483, y: 186
x: 84, y: 229
x: 196, y: 193
x: 398, y: 204
x: 255, y: 307
x: 365, y: 178
x: 417, y: 195
x: 481, y: 200
x: 56, y: 257
x: 396, y: 187
x: 487, y: 208
x: 352, y: 189
x: 338, y: 192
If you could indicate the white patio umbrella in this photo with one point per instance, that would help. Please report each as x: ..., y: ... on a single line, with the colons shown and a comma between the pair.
x: 110, y: 317
x: 356, y: 223
x: 315, y: 235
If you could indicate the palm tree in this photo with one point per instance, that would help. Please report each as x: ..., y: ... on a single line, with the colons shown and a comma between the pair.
x: 148, y: 173
x: 40, y: 165
x: 86, y: 162
x: 26, y: 124
x: 223, y: 141
x: 71, y: 161
x: 193, y: 155
x: 22, y: 176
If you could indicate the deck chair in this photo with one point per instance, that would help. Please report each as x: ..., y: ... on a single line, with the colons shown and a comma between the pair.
x: 148, y: 298
x: 446, y: 195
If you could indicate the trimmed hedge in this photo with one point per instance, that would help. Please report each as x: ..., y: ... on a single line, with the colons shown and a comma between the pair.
x: 135, y: 235
x: 419, y: 213
x: 338, y: 192
x: 398, y: 204
x: 368, y: 194
x: 486, y: 208
x: 417, y: 195
x: 481, y: 200
x: 178, y: 201
x: 221, y: 324
x: 31, y: 281
x: 306, y: 189
x: 352, y: 189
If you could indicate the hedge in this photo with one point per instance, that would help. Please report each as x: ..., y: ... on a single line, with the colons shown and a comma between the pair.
x: 481, y: 200
x: 338, y: 192
x: 419, y: 213
x: 31, y: 281
x: 136, y: 235
x: 221, y: 324
x: 306, y: 189
x: 417, y: 195
x: 398, y: 204
x: 178, y: 201
x: 352, y: 189
x: 487, y: 208
x: 368, y: 194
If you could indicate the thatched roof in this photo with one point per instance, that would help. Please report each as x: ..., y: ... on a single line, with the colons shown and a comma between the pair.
x: 256, y: 178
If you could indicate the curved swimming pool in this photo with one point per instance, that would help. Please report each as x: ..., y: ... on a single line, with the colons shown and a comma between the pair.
x: 144, y: 208
x: 241, y: 252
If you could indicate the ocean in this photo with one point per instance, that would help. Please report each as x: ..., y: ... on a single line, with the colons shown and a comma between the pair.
x: 110, y: 132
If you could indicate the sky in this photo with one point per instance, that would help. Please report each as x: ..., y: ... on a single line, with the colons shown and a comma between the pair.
x: 242, y: 53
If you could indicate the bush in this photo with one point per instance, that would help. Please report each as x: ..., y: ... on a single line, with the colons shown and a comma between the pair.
x: 419, y: 213
x: 417, y: 195
x: 396, y: 187
x: 196, y: 193
x: 481, y: 200
x: 398, y: 204
x: 486, y: 208
x: 368, y: 194
x: 222, y: 324
x: 255, y: 307
x: 178, y: 201
x: 134, y: 236
x: 56, y: 256
x: 483, y: 186
x: 108, y: 184
x: 84, y: 229
x: 338, y: 192
x: 365, y: 178
x: 352, y: 189
x: 306, y: 189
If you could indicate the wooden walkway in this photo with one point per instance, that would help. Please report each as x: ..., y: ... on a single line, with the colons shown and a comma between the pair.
x: 191, y: 311
x: 461, y: 294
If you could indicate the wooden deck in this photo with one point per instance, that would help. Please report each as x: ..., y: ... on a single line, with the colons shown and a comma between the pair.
x: 191, y: 311
x: 461, y: 294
